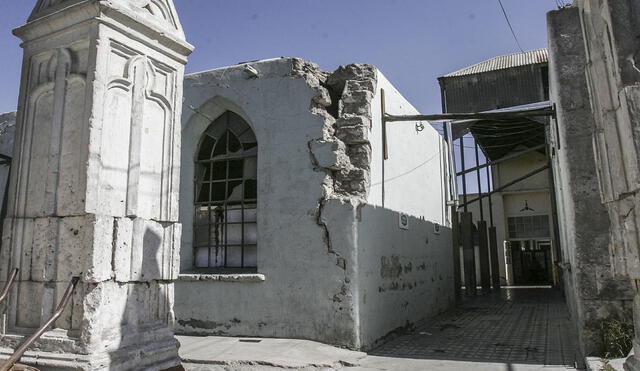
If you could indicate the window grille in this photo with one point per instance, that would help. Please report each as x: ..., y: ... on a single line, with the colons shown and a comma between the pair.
x: 225, y: 223
x: 529, y: 226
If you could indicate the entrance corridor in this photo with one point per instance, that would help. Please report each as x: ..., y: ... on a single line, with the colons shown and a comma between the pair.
x: 515, y: 326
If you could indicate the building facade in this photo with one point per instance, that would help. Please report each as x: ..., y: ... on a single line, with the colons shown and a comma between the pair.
x: 291, y: 216
x: 321, y: 255
x: 522, y: 213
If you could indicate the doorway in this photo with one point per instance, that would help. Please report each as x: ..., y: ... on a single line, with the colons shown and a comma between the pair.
x: 531, y: 261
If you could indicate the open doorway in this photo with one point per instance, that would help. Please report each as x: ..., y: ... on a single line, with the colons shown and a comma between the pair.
x: 532, y: 262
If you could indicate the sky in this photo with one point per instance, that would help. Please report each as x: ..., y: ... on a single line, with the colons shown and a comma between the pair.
x: 412, y: 42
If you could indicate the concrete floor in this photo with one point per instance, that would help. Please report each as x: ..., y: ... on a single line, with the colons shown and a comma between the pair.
x: 510, y: 330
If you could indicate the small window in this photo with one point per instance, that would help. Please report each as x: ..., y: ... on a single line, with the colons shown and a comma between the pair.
x: 225, y: 222
x: 528, y: 226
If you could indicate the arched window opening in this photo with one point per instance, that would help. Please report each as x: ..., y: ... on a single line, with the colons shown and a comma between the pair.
x: 225, y: 227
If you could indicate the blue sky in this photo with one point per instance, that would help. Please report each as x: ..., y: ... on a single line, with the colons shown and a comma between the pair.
x: 411, y: 41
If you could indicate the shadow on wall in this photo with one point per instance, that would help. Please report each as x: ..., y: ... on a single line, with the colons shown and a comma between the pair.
x: 146, y: 313
x: 405, y: 272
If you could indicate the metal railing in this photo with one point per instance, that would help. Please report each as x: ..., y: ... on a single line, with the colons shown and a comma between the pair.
x: 19, y: 352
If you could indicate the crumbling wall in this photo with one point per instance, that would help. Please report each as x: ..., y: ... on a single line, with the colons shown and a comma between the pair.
x: 309, y: 188
x: 315, y: 163
x: 593, y: 293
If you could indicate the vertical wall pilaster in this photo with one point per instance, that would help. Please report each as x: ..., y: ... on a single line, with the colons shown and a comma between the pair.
x: 611, y: 31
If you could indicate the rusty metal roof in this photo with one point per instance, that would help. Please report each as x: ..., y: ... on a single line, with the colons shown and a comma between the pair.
x: 502, y: 62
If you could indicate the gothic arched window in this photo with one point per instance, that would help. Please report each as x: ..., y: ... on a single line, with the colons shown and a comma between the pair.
x: 225, y: 226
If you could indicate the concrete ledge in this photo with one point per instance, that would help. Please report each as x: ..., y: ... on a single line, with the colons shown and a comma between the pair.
x: 238, y: 277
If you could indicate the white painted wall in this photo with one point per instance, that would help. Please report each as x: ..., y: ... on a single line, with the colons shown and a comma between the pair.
x: 296, y: 299
x: 301, y: 290
x: 404, y: 276
x: 413, y: 174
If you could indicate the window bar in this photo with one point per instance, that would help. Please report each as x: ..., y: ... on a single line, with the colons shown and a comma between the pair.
x: 209, y: 214
x: 242, y: 218
x: 226, y: 202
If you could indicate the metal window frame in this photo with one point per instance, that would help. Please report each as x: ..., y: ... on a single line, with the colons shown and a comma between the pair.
x: 211, y: 204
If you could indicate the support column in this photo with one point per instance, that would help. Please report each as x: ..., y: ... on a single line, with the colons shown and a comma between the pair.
x: 468, y: 253
x: 495, y: 257
x: 94, y: 184
x: 485, y: 273
x: 455, y: 242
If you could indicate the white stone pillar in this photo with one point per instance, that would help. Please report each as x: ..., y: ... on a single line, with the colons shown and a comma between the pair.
x: 94, y: 183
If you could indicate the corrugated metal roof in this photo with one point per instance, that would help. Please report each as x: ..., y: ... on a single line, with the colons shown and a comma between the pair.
x: 502, y: 62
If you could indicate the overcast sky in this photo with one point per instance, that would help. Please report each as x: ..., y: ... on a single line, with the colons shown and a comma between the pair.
x: 411, y: 41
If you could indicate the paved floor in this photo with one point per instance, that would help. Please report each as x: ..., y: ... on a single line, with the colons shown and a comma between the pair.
x: 512, y: 330
x: 523, y: 326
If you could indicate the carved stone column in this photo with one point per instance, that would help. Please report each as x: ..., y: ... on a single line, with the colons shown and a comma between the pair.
x: 94, y: 184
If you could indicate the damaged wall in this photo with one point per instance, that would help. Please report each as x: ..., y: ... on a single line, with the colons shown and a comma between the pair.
x: 316, y: 161
x: 302, y: 266
x: 593, y: 293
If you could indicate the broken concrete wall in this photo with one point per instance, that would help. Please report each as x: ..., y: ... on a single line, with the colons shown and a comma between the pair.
x: 303, y: 288
x: 315, y: 166
x: 593, y: 293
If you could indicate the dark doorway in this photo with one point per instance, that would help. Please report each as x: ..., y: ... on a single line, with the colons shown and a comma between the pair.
x: 531, y: 262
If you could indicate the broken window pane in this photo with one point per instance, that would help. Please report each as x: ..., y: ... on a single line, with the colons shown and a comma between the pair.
x: 221, y: 147
x: 218, y: 191
x: 206, y: 147
x: 235, y: 190
x: 203, y: 192
x: 234, y: 143
x: 250, y: 189
x: 219, y: 170
x: 235, y: 169
x: 225, y: 229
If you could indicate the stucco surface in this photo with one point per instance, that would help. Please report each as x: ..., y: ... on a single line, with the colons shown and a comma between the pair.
x: 319, y: 158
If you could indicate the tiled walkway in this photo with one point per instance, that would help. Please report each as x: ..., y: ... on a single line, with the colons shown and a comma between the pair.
x: 513, y: 326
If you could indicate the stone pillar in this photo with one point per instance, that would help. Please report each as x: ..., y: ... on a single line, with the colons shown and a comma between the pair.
x: 483, y: 249
x: 611, y: 30
x: 468, y: 253
x: 455, y: 242
x: 94, y: 184
x: 585, y: 227
x: 495, y: 257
